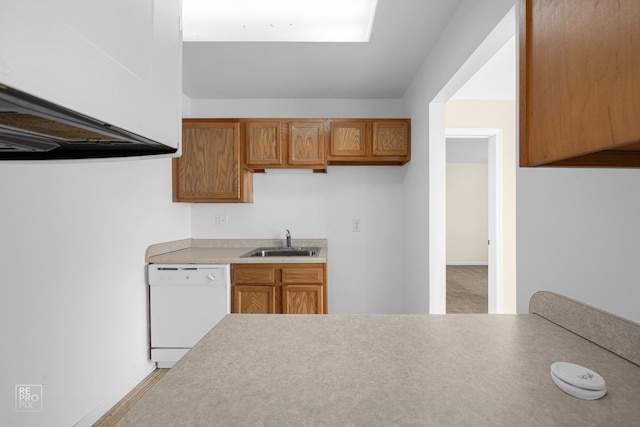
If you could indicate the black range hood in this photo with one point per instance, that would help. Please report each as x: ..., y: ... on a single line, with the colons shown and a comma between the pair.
x: 34, y: 129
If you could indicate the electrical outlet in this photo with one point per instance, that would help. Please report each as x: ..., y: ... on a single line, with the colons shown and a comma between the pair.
x: 222, y: 220
x: 357, y: 226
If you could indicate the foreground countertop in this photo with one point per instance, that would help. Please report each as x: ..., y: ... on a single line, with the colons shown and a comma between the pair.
x: 228, y: 251
x: 371, y: 370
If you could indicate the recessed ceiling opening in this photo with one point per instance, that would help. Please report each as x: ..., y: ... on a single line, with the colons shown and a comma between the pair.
x: 278, y: 20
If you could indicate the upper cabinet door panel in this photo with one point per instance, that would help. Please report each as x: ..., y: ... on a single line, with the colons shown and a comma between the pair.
x: 263, y: 143
x: 390, y: 138
x: 306, y: 143
x: 210, y: 169
x: 210, y: 161
x: 348, y: 138
x: 580, y: 84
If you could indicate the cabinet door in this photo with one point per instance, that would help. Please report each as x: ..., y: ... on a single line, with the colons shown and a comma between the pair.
x: 210, y: 167
x: 303, y: 289
x: 250, y: 299
x: 579, y: 83
x: 302, y: 299
x: 263, y: 143
x: 390, y: 138
x: 347, y: 138
x: 306, y: 144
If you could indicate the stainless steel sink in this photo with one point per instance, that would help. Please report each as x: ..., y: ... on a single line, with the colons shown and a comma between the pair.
x: 282, y: 251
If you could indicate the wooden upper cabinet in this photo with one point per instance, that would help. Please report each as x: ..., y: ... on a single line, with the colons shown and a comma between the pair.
x: 210, y: 169
x: 284, y: 144
x: 580, y: 83
x: 369, y: 141
x: 263, y: 143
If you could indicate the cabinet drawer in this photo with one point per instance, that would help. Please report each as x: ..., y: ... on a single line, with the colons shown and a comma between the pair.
x: 302, y: 275
x: 254, y: 275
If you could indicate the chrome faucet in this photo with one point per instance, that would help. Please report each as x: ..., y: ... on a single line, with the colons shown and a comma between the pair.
x: 288, y: 239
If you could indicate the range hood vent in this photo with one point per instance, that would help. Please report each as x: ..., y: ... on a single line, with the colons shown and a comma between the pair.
x: 34, y: 129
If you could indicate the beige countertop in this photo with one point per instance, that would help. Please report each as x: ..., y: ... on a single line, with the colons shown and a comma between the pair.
x: 386, y: 370
x: 228, y: 251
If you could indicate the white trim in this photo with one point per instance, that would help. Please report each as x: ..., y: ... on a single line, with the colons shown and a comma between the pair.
x: 437, y: 210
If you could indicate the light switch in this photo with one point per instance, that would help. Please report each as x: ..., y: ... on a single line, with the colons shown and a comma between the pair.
x: 357, y: 226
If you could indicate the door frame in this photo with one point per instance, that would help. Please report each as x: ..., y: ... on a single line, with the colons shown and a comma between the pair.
x: 494, y: 169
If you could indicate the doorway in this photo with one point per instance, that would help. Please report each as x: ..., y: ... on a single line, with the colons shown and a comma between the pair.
x: 503, y: 32
x: 484, y: 147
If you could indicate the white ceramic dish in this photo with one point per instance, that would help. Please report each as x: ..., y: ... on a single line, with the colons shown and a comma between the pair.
x: 578, y: 381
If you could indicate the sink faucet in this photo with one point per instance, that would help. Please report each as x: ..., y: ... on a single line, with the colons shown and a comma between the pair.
x: 288, y: 239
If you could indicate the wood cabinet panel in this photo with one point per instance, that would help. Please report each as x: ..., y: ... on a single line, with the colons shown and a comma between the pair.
x: 302, y: 275
x: 369, y: 141
x: 254, y: 275
x: 306, y: 143
x: 348, y: 139
x: 279, y: 288
x: 254, y: 299
x: 284, y: 143
x: 210, y: 168
x: 263, y: 143
x: 579, y: 85
x: 302, y: 299
x: 390, y: 139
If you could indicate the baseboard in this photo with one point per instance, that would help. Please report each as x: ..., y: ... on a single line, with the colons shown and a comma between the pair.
x: 93, y: 416
x: 467, y: 263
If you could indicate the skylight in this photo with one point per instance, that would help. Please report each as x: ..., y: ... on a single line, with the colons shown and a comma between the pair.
x: 278, y: 20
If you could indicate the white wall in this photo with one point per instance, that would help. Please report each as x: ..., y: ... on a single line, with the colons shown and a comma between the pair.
x: 424, y: 101
x: 467, y: 213
x: 73, y: 309
x: 364, y: 268
x: 578, y: 235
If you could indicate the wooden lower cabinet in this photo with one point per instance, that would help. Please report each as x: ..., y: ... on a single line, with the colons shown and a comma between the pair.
x: 279, y: 288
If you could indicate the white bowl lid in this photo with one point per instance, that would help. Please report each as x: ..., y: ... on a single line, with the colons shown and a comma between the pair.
x: 578, y: 376
x: 580, y: 393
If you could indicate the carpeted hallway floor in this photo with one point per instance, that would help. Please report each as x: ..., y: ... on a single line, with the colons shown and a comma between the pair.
x: 467, y: 288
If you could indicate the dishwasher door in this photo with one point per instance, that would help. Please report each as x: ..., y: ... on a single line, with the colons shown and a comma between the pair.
x: 186, y: 301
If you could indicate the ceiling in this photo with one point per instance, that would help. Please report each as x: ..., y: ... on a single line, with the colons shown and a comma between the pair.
x: 402, y: 35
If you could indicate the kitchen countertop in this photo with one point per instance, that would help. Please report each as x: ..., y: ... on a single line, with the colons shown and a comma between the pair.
x: 436, y: 370
x: 228, y: 251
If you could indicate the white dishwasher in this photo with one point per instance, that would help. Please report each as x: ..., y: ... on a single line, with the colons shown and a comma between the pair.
x: 185, y: 301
